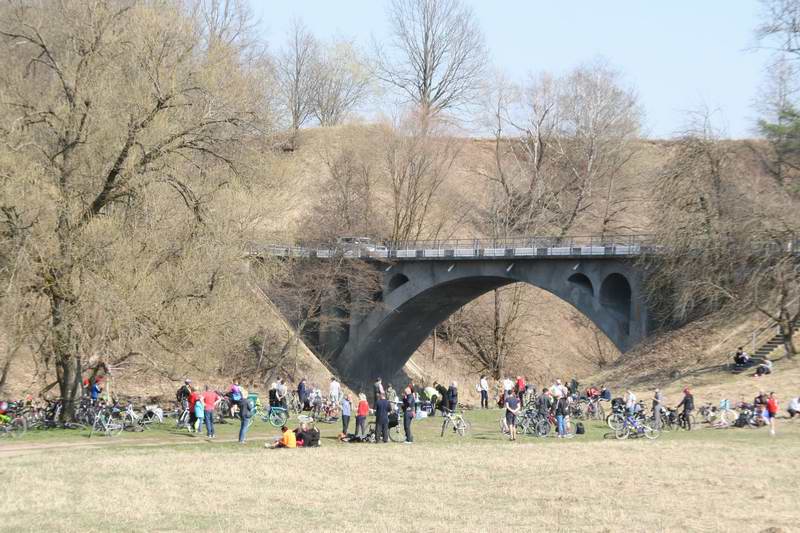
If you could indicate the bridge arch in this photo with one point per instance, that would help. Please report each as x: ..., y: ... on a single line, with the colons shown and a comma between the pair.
x: 423, y: 294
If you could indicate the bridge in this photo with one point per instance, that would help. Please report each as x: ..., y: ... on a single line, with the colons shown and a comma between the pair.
x: 423, y: 283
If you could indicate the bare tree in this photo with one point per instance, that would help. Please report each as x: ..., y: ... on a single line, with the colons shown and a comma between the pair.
x: 296, y: 69
x: 341, y: 83
x: 117, y: 114
x: 436, y: 57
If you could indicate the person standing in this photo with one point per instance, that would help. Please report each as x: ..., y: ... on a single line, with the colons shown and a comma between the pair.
x: 408, y: 413
x: 688, y: 406
x: 562, y: 409
x: 194, y: 394
x: 483, y: 388
x: 544, y: 403
x: 302, y: 394
x: 199, y: 409
x: 521, y: 388
x: 630, y: 402
x: 334, y: 390
x: 280, y: 393
x: 382, y: 419
x: 362, y: 410
x: 452, y: 397
x: 772, y: 412
x: 209, y: 401
x: 513, y: 406
x: 95, y: 389
x: 657, y: 401
x: 442, y: 390
x: 245, y: 413
x: 377, y: 390
x: 346, y: 409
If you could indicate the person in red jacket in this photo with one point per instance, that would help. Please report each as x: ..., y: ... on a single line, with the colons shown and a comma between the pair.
x: 210, y: 398
x: 772, y: 412
x: 193, y: 396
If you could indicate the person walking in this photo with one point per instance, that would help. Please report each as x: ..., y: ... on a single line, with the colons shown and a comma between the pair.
x: 408, y: 413
x: 362, y: 410
x: 302, y: 394
x: 244, y: 413
x: 382, y: 409
x: 562, y: 410
x: 772, y: 412
x: 210, y: 398
x: 513, y: 406
x: 452, y: 397
x: 194, y: 394
x: 346, y: 409
x: 688, y: 406
x: 483, y: 388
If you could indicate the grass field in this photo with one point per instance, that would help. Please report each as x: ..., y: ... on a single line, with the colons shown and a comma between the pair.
x: 165, y: 480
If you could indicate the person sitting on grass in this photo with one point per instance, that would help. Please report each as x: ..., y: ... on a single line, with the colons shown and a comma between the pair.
x: 287, y: 440
x: 764, y: 368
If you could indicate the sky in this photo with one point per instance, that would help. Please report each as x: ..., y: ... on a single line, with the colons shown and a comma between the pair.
x: 679, y: 55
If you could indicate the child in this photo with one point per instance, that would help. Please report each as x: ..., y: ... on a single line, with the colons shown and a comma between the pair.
x: 199, y: 413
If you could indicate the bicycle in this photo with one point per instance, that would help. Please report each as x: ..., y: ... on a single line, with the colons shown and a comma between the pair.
x: 106, y: 423
x: 394, y: 429
x: 634, y: 426
x: 719, y: 417
x: 460, y: 426
x: 276, y: 416
x: 12, y: 426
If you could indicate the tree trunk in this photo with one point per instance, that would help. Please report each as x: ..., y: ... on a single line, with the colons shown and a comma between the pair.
x: 68, y: 371
x: 787, y: 332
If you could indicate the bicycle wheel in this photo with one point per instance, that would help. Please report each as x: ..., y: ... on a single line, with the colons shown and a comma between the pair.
x: 17, y: 427
x: 461, y: 426
x: 599, y: 412
x: 395, y: 435
x: 651, y: 433
x: 615, y: 421
x: 622, y: 433
x: 278, y: 417
x: 115, y: 427
x: 729, y: 416
x: 542, y: 428
x: 445, y: 423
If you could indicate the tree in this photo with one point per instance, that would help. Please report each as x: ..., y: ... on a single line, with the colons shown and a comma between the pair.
x: 116, y: 113
x: 341, y: 84
x: 436, y: 57
x: 296, y: 70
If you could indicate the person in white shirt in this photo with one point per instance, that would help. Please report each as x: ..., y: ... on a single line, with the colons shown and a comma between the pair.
x: 794, y: 407
x: 508, y: 385
x: 483, y: 389
x: 558, y: 390
x: 334, y: 390
x: 630, y: 402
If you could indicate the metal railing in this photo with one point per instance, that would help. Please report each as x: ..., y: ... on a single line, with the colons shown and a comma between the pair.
x: 765, y: 331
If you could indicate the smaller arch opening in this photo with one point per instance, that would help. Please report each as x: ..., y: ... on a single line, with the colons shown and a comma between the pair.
x: 615, y: 295
x: 582, y: 282
x: 396, y: 281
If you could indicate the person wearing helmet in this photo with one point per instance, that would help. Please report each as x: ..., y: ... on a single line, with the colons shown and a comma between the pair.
x: 183, y: 394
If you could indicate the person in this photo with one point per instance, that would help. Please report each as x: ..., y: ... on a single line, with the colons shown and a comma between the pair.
x: 592, y: 392
x: 508, y: 386
x: 605, y: 393
x: 558, y: 390
x: 183, y: 394
x: 521, y: 388
x: 772, y: 412
x: 362, y: 410
x: 483, y: 388
x: 306, y: 437
x: 432, y: 396
x: 199, y: 410
x: 764, y: 368
x: 288, y: 439
x: 513, y: 406
x: 95, y: 390
x: 334, y: 390
x: 630, y: 402
x: 377, y: 390
x: 302, y: 395
x: 245, y: 413
x: 346, y: 410
x: 657, y: 400
x: 573, y: 386
x: 442, y: 396
x: 280, y: 393
x: 741, y: 359
x: 193, y: 396
x: 760, y: 406
x: 210, y: 398
x: 562, y: 409
x: 688, y: 406
x: 382, y: 409
x: 408, y: 412
x: 391, y: 394
x: 794, y: 407
x: 545, y: 402
x: 452, y: 396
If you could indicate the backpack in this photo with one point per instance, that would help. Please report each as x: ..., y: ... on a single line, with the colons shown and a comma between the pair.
x: 579, y: 429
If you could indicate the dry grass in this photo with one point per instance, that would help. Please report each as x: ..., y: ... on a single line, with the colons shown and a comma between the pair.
x: 679, y: 483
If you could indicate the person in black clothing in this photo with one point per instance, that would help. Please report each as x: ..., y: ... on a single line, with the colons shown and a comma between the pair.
x: 183, y: 394
x: 688, y: 406
x: 452, y: 396
x: 302, y: 394
x: 408, y: 413
x: 382, y: 419
x: 544, y: 402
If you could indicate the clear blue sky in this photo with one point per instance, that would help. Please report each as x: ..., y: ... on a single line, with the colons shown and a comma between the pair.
x: 678, y: 54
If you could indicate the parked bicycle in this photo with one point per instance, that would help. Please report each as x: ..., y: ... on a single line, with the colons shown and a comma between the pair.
x: 108, y: 423
x: 456, y: 421
x: 634, y: 426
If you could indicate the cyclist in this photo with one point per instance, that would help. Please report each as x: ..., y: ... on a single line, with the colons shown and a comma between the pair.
x: 183, y: 394
x: 688, y: 406
x: 4, y: 418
